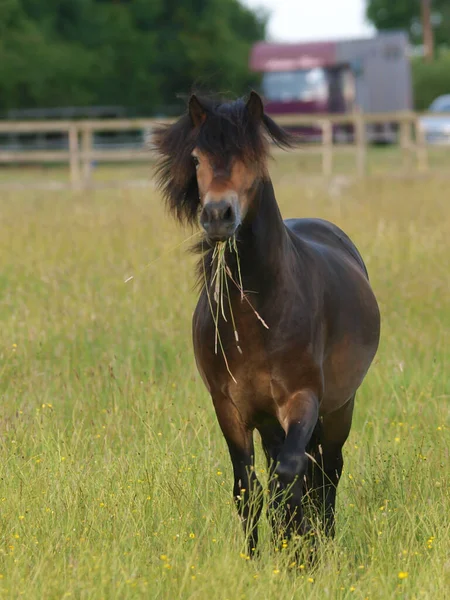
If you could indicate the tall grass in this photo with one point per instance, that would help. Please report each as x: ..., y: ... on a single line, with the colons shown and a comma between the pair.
x: 115, y: 480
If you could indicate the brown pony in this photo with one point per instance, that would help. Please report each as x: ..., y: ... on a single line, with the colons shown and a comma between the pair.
x: 299, y: 326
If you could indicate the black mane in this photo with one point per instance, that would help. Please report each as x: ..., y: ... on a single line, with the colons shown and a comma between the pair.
x: 229, y: 130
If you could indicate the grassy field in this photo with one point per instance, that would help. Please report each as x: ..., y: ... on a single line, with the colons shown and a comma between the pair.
x: 115, y: 478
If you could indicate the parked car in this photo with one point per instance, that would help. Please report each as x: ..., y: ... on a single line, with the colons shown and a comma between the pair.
x: 437, y: 128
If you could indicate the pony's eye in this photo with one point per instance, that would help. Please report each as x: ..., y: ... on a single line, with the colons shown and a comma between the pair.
x: 196, y: 161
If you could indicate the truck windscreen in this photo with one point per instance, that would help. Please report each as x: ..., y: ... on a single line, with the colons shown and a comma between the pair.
x: 288, y: 86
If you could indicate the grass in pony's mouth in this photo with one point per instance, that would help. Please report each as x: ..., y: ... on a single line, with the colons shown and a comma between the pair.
x: 219, y: 285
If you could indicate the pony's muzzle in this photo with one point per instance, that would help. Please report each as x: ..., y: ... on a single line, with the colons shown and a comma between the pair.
x: 220, y: 218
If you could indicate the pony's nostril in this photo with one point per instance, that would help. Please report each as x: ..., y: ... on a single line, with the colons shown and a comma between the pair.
x: 228, y: 214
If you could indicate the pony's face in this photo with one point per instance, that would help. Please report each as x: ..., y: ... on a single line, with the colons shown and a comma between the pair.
x: 226, y: 189
x: 212, y: 160
x: 226, y: 171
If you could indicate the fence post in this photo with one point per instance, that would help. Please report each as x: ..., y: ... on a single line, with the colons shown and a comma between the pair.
x: 360, y: 141
x: 421, y: 147
x: 74, y: 164
x: 405, y: 140
x: 86, y: 147
x: 327, y: 148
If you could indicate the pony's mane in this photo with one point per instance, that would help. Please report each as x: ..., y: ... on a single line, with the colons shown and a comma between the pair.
x: 229, y: 130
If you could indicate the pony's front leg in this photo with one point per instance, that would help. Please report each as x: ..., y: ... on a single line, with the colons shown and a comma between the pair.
x: 298, y: 417
x: 247, y: 490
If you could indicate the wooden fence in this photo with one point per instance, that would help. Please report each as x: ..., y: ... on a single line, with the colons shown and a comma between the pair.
x: 81, y: 153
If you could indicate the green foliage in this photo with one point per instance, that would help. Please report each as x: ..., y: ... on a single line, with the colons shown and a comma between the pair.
x: 405, y: 14
x: 138, y: 54
x: 430, y: 79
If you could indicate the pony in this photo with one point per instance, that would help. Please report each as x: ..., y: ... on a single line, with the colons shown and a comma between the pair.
x: 286, y: 325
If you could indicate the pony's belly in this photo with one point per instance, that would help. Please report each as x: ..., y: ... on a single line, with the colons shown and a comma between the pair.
x: 343, y: 372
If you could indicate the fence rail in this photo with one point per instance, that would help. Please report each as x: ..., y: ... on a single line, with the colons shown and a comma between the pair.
x: 81, y: 150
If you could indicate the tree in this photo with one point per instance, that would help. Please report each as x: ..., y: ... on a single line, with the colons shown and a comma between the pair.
x: 37, y: 71
x: 430, y: 80
x: 141, y: 54
x: 406, y: 15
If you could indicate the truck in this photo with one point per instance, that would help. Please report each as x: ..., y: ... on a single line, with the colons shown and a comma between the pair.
x: 370, y: 75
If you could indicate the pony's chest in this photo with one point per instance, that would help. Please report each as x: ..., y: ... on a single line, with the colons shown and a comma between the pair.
x: 241, y: 358
x: 238, y: 342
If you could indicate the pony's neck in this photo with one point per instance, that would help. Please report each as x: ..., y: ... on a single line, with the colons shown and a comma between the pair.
x: 264, y: 249
x: 264, y: 242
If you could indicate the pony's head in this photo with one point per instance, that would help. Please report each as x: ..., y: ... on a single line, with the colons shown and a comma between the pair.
x: 213, y: 159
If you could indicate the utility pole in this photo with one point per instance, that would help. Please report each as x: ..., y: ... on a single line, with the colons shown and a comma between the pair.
x: 428, y: 42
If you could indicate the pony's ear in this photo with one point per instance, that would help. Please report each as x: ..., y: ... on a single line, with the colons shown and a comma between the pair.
x: 196, y: 111
x: 255, y: 106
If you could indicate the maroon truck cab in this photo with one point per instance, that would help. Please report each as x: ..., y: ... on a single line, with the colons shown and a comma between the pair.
x: 335, y: 77
x: 305, y: 78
